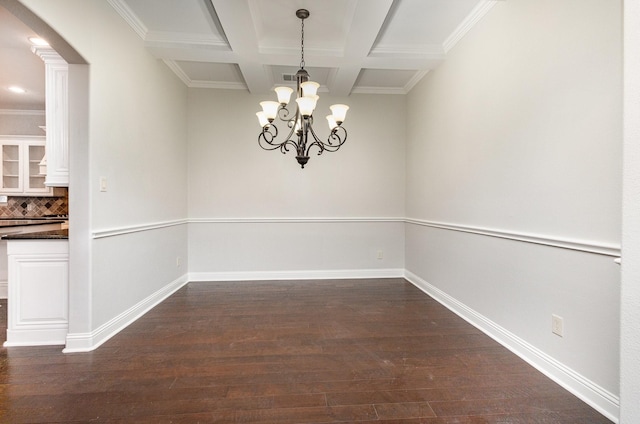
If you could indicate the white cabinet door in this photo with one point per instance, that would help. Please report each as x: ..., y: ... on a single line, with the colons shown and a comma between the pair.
x: 34, y: 181
x: 20, y: 166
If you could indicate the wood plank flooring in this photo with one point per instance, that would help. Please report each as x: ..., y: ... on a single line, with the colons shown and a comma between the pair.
x: 342, y: 351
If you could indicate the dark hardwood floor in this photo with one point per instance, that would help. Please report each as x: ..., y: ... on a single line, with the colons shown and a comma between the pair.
x: 365, y: 351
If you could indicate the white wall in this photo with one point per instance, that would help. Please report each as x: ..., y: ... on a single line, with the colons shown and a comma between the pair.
x: 137, y: 140
x: 630, y: 310
x: 514, y: 148
x: 21, y: 122
x: 258, y: 211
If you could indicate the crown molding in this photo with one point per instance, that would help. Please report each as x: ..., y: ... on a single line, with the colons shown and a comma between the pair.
x: 473, y: 18
x: 130, y: 17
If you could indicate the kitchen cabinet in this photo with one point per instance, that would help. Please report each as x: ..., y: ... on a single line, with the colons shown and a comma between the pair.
x: 38, y: 311
x: 20, y: 226
x: 20, y: 166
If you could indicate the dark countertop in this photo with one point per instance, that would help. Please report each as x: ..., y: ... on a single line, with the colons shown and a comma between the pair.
x: 42, y: 235
x: 21, y: 222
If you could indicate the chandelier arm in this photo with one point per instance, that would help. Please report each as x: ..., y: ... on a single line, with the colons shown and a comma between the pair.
x: 317, y: 142
x: 336, y: 139
x: 266, y: 137
x: 283, y: 113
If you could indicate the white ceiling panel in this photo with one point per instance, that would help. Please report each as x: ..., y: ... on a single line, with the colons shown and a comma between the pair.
x: 425, y: 23
x: 277, y: 26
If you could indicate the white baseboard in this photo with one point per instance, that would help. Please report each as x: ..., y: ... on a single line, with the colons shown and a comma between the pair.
x: 85, y: 342
x: 296, y: 275
x: 46, y: 336
x: 4, y: 289
x: 597, y: 397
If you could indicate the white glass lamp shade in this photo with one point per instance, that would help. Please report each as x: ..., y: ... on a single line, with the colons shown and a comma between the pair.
x: 270, y: 109
x: 339, y: 112
x: 262, y: 118
x: 309, y: 88
x: 284, y: 94
x: 307, y: 105
x: 332, y: 122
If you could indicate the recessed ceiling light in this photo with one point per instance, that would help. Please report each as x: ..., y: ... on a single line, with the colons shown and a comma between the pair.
x: 16, y: 89
x: 38, y: 41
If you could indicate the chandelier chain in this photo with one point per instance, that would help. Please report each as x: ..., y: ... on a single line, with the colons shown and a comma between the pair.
x: 302, y: 46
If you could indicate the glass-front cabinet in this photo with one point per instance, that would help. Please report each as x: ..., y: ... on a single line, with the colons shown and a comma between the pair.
x: 20, y: 166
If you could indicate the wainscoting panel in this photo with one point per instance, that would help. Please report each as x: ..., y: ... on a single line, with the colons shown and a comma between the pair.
x: 295, y: 248
x: 509, y: 289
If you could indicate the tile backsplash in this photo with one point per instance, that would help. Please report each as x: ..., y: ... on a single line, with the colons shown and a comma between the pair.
x: 26, y: 207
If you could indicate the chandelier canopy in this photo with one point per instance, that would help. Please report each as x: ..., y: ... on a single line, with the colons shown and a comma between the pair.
x: 300, y: 123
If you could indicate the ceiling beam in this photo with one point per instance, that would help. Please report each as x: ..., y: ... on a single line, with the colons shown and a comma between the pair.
x: 368, y: 20
x: 235, y: 18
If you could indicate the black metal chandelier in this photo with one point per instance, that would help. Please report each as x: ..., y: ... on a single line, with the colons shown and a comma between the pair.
x: 300, y: 124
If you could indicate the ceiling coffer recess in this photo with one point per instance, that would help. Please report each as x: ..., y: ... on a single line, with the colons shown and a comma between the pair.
x: 300, y: 123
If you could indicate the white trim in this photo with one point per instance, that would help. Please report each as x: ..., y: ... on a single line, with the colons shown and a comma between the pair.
x: 465, y: 26
x: 563, y: 243
x: 338, y: 274
x: 130, y: 17
x: 422, y: 51
x: 136, y: 228
x: 177, y: 69
x: 417, y: 77
x: 185, y: 40
x: 221, y: 85
x: 4, y: 289
x: 86, y: 342
x: 22, y: 112
x: 599, y: 248
x: 597, y: 397
x: 378, y: 90
x: 292, y: 220
x: 51, y: 335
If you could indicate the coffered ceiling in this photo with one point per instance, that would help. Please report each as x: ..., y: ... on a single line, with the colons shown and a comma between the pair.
x: 351, y: 46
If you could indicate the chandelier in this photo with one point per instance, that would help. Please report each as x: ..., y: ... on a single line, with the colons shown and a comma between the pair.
x: 300, y: 124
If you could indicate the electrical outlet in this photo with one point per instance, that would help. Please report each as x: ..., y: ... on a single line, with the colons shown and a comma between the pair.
x: 557, y: 325
x: 103, y: 183
x: 178, y: 261
x: 380, y: 254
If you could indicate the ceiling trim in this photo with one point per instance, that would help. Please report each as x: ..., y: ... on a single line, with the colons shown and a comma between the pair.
x: 130, y: 17
x: 465, y: 26
x: 378, y: 90
x: 187, y: 39
x: 218, y: 84
x: 199, y: 83
x: 414, y: 80
x: 171, y: 64
x: 393, y: 50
